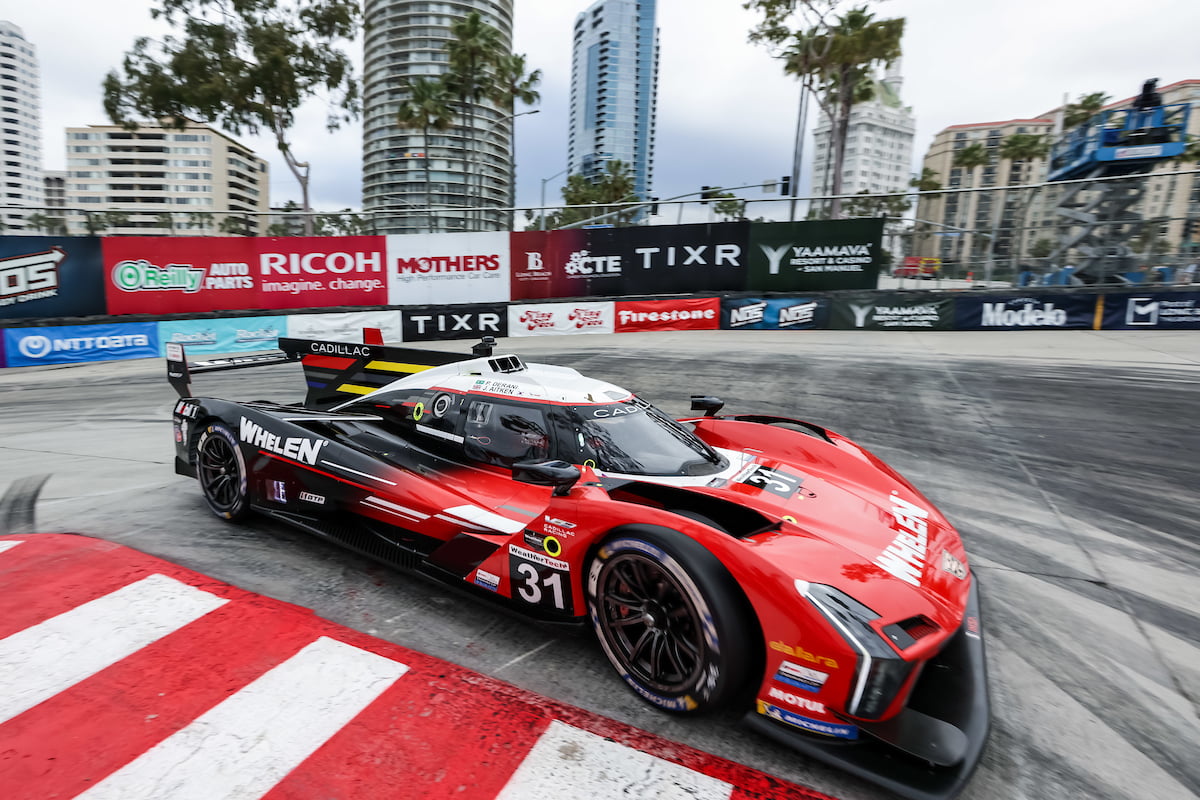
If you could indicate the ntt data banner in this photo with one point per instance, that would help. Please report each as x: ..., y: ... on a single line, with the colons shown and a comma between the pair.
x: 167, y: 274
x: 70, y: 344
x: 777, y: 313
x: 241, y: 334
x: 1161, y: 310
x: 50, y: 276
x: 448, y: 268
x: 1025, y: 313
x: 549, y: 319
x: 892, y: 312
x: 815, y: 256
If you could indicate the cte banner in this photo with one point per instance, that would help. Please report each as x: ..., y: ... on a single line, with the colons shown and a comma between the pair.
x: 50, y: 276
x: 166, y: 275
x: 71, y: 344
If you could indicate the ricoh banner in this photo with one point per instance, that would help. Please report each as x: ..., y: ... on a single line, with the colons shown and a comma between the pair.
x: 814, y: 256
x: 1026, y: 312
x: 892, y: 312
x: 448, y: 268
x: 71, y: 344
x: 50, y: 276
x: 775, y: 314
x: 1160, y: 310
x: 551, y: 319
x: 228, y: 335
x: 166, y: 275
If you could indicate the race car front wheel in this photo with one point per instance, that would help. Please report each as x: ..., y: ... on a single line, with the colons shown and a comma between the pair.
x: 671, y: 620
x: 222, y: 473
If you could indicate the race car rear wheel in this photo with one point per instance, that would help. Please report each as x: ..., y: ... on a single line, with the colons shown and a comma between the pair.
x: 222, y: 473
x: 671, y: 620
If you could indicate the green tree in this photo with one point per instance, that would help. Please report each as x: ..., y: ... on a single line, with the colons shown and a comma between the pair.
x: 166, y: 221
x: 590, y: 198
x: 199, y: 219
x: 473, y: 51
x: 426, y: 108
x: 513, y: 84
x: 37, y: 221
x: 236, y: 225
x: 1041, y: 248
x: 1083, y: 109
x: 343, y: 223
x: 833, y: 55
x: 245, y: 65
x: 728, y: 207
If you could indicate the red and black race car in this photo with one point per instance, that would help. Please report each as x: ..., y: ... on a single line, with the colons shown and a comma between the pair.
x: 722, y: 560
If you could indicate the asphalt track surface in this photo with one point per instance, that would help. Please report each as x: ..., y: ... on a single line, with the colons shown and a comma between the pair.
x: 1067, y: 459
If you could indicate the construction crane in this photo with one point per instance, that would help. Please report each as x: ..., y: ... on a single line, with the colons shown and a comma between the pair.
x: 1106, y: 159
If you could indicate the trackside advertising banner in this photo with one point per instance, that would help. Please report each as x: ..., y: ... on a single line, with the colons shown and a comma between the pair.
x: 815, y: 256
x: 242, y: 334
x: 344, y: 326
x: 448, y: 268
x: 164, y: 275
x: 1025, y: 312
x: 1161, y: 311
x: 71, y: 344
x: 699, y: 314
x: 558, y: 318
x: 790, y: 313
x: 50, y: 276
x: 432, y: 323
x: 892, y: 312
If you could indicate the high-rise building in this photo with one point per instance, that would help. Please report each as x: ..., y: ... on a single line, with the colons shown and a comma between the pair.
x: 879, y: 144
x: 614, y: 89
x: 470, y: 164
x: 154, y: 181
x: 20, y: 113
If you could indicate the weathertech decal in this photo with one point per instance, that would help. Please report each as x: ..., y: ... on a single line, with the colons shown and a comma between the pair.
x: 298, y: 447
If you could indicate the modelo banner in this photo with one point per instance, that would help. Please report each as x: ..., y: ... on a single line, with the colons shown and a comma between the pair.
x: 684, y: 314
x: 777, y: 313
x: 891, y: 312
x: 229, y: 335
x: 167, y: 274
x: 72, y: 344
x: 1161, y: 310
x: 434, y: 323
x: 50, y: 276
x: 549, y: 319
x: 1026, y: 312
x: 448, y: 268
x: 813, y: 256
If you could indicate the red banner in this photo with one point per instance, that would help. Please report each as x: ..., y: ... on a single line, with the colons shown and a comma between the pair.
x: 165, y: 275
x: 698, y: 314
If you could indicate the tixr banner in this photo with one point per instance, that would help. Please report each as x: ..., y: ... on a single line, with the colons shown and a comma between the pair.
x: 433, y: 323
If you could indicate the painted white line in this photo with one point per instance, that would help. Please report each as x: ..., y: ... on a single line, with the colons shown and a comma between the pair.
x: 245, y: 745
x: 44, y: 659
x: 9, y: 545
x: 569, y: 762
x: 486, y: 518
x: 395, y: 508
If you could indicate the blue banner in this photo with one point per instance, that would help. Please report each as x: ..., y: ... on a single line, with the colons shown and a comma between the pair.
x: 71, y: 344
x: 50, y: 276
x: 1152, y: 311
x: 775, y: 314
x: 235, y: 335
x: 998, y: 313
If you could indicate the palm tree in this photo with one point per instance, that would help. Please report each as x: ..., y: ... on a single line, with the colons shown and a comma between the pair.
x: 427, y: 107
x: 1020, y: 148
x: 37, y: 221
x: 969, y: 158
x: 473, y: 51
x: 1083, y: 109
x: 514, y: 84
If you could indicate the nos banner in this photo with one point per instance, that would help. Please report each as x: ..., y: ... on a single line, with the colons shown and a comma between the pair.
x: 50, y: 276
x: 778, y: 313
x: 893, y: 312
x: 815, y: 256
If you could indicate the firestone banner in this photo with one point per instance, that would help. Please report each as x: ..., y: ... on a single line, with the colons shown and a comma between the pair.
x: 892, y: 312
x: 50, y: 276
x: 777, y: 313
x: 558, y: 318
x: 448, y: 268
x: 815, y: 256
x: 165, y: 275
x: 684, y: 314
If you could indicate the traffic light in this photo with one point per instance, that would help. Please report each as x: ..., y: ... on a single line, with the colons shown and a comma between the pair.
x: 653, y: 206
x: 785, y: 185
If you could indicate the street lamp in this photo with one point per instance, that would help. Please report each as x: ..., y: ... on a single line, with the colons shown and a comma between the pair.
x: 544, y: 182
x: 478, y: 161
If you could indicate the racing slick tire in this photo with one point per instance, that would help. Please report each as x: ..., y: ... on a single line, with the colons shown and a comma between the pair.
x: 671, y: 620
x: 221, y: 470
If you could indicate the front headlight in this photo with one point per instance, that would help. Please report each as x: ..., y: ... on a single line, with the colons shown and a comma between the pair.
x: 881, y: 672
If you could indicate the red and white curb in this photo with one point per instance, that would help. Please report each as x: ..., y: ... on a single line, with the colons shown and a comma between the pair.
x: 125, y: 677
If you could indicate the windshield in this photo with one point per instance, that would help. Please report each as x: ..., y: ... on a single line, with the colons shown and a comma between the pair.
x: 634, y: 437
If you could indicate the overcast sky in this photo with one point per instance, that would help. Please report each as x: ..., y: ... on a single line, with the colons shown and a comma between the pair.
x: 726, y: 113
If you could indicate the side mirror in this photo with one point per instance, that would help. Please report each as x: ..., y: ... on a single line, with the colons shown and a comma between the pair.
x: 709, y: 405
x: 559, y: 474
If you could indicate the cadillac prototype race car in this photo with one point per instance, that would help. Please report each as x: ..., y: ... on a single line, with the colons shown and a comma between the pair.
x: 743, y: 561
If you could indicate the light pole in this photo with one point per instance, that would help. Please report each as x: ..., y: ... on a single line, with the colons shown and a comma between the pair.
x: 542, y: 224
x: 479, y: 160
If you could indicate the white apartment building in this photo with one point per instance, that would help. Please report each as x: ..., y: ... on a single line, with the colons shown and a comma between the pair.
x: 159, y: 181
x: 21, y: 124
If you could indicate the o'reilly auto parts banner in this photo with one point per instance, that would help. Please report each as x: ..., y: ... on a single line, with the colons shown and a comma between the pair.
x: 815, y: 256
x: 71, y: 344
x: 163, y: 275
x: 549, y: 319
x: 50, y: 276
x: 1161, y: 310
x: 1025, y: 313
x: 685, y: 314
x: 447, y: 268
x: 432, y: 323
x: 777, y: 313
x: 891, y: 312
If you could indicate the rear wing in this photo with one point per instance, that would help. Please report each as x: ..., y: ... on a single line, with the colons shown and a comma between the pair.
x: 334, y: 371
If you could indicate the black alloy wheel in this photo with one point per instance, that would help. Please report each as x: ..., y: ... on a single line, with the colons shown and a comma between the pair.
x: 221, y: 471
